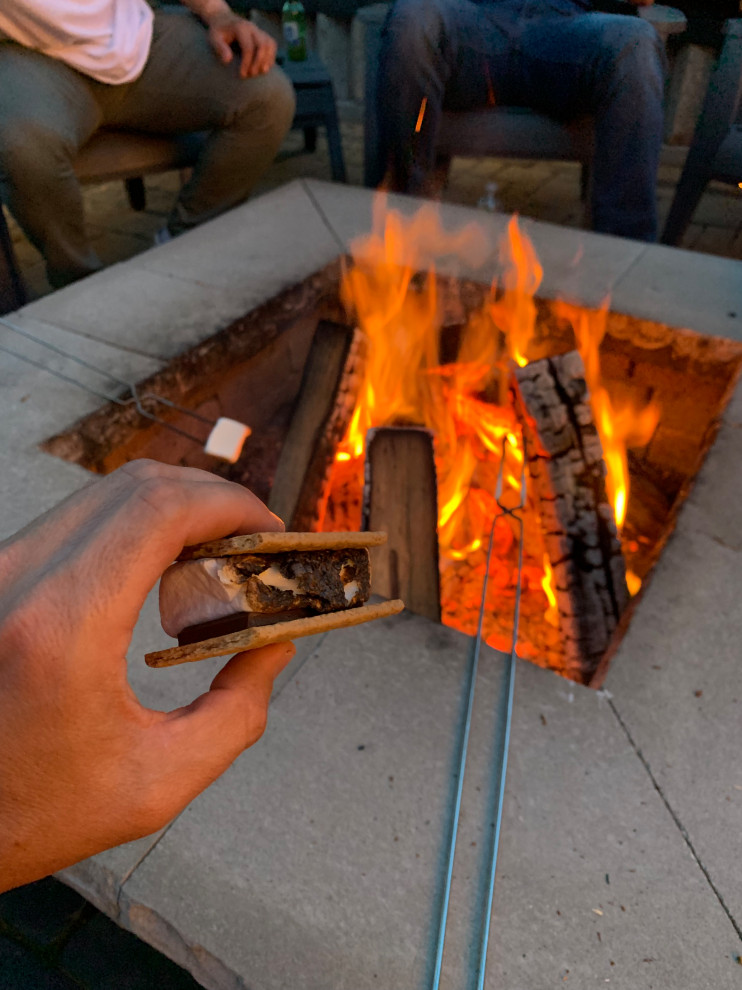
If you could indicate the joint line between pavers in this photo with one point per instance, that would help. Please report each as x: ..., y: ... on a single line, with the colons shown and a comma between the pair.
x: 323, y: 217
x: 673, y: 814
x: 132, y: 869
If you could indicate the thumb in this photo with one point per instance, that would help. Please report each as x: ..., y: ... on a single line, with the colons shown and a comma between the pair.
x: 197, y: 743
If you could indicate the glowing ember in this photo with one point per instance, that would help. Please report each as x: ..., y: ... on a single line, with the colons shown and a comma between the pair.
x: 547, y: 583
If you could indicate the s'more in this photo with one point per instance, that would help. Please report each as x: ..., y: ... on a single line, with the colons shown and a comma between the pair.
x: 243, y: 592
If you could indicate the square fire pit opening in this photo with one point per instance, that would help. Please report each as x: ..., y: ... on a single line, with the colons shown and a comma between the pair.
x: 292, y: 369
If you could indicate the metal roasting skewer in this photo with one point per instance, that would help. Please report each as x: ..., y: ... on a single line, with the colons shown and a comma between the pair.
x: 136, y: 399
x: 503, y: 736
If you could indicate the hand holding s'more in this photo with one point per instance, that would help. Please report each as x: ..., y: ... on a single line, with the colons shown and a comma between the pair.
x: 240, y: 593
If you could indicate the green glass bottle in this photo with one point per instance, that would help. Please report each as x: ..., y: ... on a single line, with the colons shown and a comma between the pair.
x: 294, y: 19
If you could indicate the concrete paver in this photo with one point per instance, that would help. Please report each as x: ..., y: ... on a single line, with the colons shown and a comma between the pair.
x: 683, y: 289
x: 675, y: 678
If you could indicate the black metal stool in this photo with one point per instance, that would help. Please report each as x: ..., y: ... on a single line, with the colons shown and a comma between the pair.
x: 315, y: 107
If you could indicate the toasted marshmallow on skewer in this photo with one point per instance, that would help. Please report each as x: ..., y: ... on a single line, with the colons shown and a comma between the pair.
x: 226, y: 439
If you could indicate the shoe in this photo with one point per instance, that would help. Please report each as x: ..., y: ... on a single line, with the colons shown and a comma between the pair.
x: 162, y: 236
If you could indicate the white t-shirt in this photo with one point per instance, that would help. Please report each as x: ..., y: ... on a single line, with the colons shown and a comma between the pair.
x: 106, y: 39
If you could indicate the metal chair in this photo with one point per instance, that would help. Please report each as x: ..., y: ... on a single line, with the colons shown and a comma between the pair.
x: 716, y: 150
x: 497, y: 132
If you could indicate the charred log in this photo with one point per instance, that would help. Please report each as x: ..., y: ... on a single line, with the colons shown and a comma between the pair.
x: 565, y: 462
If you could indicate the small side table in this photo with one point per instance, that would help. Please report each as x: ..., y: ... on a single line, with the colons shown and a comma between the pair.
x: 315, y: 107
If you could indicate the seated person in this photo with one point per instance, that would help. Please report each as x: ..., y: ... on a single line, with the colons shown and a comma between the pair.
x: 556, y: 56
x: 68, y: 68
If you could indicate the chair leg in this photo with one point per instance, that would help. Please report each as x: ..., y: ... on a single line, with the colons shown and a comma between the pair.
x: 136, y: 193
x: 687, y: 196
x: 441, y: 172
x: 12, y: 290
x: 585, y: 181
x: 310, y: 139
x: 335, y: 147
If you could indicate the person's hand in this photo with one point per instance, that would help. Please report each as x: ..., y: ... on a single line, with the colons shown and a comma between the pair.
x: 83, y: 765
x: 258, y: 49
x: 641, y: 3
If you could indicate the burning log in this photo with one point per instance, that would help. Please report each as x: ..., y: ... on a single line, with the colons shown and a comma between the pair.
x: 400, y: 498
x: 565, y: 461
x: 324, y: 405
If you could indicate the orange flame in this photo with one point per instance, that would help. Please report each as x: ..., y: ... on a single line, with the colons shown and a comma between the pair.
x: 515, y: 312
x: 392, y: 292
x: 618, y: 428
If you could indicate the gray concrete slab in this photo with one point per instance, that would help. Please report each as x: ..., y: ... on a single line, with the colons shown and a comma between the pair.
x: 683, y: 289
x: 173, y: 296
x: 262, y: 244
x: 676, y: 677
x: 154, y: 313
x: 316, y: 860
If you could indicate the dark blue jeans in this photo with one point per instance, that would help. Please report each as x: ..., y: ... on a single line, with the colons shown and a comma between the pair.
x: 461, y: 55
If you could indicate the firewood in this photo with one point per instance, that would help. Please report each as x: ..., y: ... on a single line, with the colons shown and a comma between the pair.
x: 400, y: 497
x: 321, y: 416
x: 565, y: 462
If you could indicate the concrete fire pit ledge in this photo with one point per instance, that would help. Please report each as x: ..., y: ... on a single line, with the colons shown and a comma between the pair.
x: 314, y: 862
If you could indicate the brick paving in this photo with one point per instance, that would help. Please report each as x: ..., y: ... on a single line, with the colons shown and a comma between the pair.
x: 50, y: 938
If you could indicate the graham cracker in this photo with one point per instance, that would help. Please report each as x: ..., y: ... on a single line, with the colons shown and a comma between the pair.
x: 278, y: 632
x: 281, y: 543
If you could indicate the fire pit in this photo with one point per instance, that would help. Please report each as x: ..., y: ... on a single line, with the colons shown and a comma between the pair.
x: 315, y: 861
x: 381, y: 393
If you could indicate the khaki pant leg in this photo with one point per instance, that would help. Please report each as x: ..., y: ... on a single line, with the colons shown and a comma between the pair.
x: 184, y: 87
x: 47, y: 111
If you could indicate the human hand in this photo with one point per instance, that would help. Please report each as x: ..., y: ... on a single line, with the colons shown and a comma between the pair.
x: 641, y: 3
x: 83, y: 765
x: 258, y: 48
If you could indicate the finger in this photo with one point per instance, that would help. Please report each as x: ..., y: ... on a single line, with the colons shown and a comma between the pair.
x: 249, y: 51
x: 194, y: 745
x: 221, y: 47
x: 54, y: 527
x: 267, y: 55
x: 115, y: 541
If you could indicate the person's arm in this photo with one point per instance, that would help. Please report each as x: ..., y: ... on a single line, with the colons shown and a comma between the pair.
x: 83, y: 765
x: 227, y: 28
